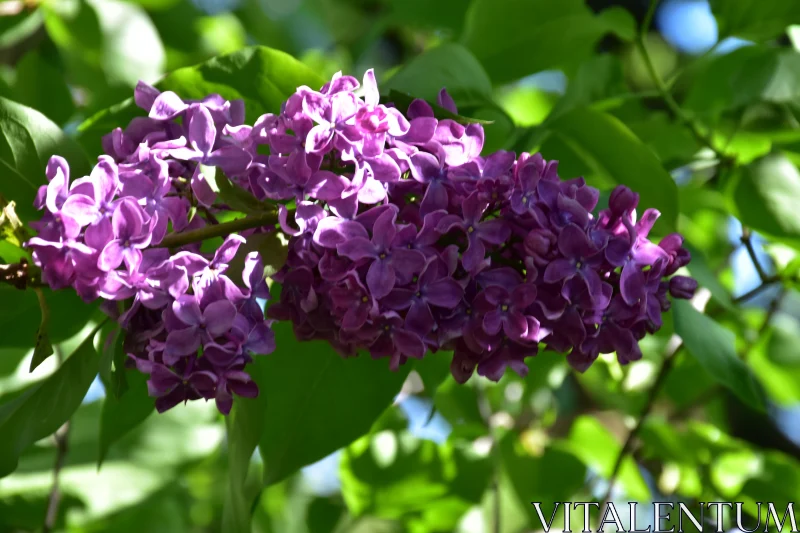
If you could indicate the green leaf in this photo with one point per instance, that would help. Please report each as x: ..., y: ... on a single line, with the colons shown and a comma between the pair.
x: 112, y: 363
x: 450, y: 66
x: 393, y: 474
x: 105, y: 42
x: 40, y: 84
x: 27, y: 140
x: 20, y: 315
x: 777, y: 481
x: 317, y: 401
x: 236, y: 197
x: 264, y: 78
x: 43, y: 407
x: 672, y: 142
x: 433, y: 369
x: 14, y: 29
x: 272, y: 247
x: 132, y: 48
x: 602, y: 455
x: 757, y: 20
x: 245, y: 425
x: 458, y: 404
x: 743, y: 77
x: 714, y: 348
x: 783, y: 343
x: 42, y: 349
x: 555, y: 476
x: 24, y: 513
x: 598, y: 79
x: 425, y: 14
x: 122, y: 414
x: 402, y: 100
x: 705, y: 277
x: 767, y: 196
x: 514, y: 38
x: 615, y: 153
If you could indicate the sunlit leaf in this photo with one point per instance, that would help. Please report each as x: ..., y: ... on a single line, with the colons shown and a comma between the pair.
x: 754, y: 19
x: 713, y: 347
x: 614, y: 152
x: 767, y: 196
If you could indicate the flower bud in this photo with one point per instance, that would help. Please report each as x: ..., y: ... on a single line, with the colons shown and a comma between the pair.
x: 622, y: 200
x: 682, y: 287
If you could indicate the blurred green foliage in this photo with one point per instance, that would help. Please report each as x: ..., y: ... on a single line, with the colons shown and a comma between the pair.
x: 709, y: 140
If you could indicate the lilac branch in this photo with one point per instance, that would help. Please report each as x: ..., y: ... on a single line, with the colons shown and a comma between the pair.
x: 175, y: 240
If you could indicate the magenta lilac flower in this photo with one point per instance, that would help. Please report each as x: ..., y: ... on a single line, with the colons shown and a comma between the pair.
x: 403, y: 241
x: 189, y: 326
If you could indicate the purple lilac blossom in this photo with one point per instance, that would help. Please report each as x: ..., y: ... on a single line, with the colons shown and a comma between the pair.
x: 189, y: 326
x: 492, y: 258
x: 405, y: 241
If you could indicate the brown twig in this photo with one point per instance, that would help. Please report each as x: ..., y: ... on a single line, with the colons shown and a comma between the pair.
x: 54, y: 499
x: 652, y: 394
x: 747, y: 240
x: 61, y: 437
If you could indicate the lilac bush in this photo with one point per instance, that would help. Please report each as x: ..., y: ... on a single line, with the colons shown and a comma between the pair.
x: 404, y: 241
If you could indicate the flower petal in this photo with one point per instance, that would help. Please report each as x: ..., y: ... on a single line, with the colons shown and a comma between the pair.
x: 445, y: 293
x: 187, y: 310
x: 182, y: 342
x: 218, y: 317
x: 380, y: 278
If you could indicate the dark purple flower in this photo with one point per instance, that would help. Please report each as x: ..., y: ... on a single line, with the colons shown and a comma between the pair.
x: 432, y: 288
x: 493, y: 231
x: 506, y: 310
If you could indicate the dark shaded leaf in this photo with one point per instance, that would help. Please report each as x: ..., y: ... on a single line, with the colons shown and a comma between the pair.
x: 42, y: 349
x: 40, y: 84
x: 27, y: 140
x: 317, y: 401
x: 705, y: 277
x: 123, y: 414
x: 20, y: 316
x: 43, y: 407
x: 264, y: 78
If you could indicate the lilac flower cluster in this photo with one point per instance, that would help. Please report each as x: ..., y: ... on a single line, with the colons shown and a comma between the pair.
x: 405, y: 240
x: 189, y: 326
